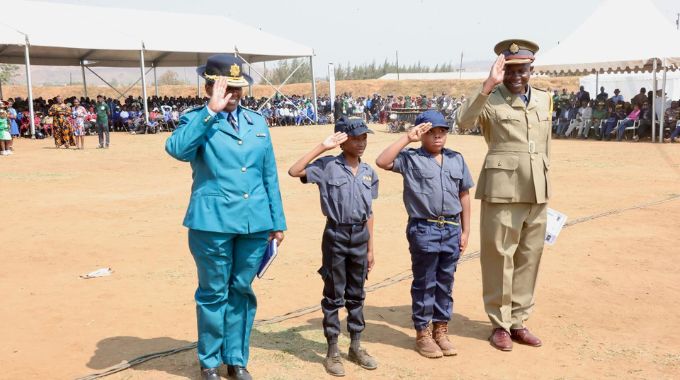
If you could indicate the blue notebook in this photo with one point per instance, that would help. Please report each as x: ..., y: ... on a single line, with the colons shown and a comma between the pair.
x: 268, y: 258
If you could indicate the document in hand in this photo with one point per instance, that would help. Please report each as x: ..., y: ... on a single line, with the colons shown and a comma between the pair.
x: 268, y: 258
x: 555, y: 223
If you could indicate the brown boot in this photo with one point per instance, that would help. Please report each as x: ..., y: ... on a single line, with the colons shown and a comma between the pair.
x: 426, y: 346
x: 439, y: 334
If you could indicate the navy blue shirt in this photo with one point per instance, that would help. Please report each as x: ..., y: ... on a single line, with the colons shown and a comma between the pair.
x: 431, y: 190
x: 345, y: 198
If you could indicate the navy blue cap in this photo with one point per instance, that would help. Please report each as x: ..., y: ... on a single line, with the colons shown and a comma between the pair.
x: 351, y: 126
x: 225, y: 65
x: 434, y: 117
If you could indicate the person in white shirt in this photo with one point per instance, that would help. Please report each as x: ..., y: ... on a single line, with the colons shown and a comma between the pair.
x: 583, y: 119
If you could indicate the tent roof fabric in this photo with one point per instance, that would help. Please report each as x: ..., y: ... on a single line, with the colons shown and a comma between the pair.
x: 165, y: 40
x: 631, y: 51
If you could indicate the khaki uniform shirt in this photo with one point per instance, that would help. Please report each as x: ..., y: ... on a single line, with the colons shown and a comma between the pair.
x: 517, y: 164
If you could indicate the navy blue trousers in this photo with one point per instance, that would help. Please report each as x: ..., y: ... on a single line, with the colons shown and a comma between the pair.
x: 345, y: 265
x: 435, y: 250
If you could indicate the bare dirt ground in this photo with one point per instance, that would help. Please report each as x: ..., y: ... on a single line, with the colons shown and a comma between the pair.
x: 607, y: 298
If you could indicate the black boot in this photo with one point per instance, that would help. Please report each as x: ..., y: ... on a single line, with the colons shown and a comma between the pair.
x: 209, y: 374
x: 238, y: 373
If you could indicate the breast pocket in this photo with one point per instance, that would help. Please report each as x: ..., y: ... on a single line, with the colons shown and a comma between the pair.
x: 337, y: 188
x: 422, y: 181
x: 366, y: 192
x: 501, y: 178
x: 509, y: 120
x: 544, y: 119
x: 453, y: 181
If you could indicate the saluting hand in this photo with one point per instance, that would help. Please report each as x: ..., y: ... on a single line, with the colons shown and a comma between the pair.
x: 220, y: 97
x: 495, y: 74
x: 416, y: 133
x: 334, y: 140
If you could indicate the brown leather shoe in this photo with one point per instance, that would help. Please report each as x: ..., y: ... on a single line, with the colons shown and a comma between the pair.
x: 523, y: 336
x: 426, y: 346
x: 500, y: 339
x: 440, y: 335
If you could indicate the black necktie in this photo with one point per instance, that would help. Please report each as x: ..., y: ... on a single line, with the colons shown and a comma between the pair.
x: 231, y: 120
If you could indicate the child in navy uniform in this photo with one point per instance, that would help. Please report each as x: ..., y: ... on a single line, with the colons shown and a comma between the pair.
x: 347, y: 187
x: 436, y: 184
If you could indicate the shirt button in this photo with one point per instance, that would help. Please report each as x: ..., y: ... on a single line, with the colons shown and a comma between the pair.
x: 245, y: 196
x: 240, y: 142
x: 243, y: 169
x: 533, y: 158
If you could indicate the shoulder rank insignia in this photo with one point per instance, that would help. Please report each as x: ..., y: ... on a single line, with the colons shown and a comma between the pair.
x: 261, y: 135
x: 192, y: 109
x: 247, y: 117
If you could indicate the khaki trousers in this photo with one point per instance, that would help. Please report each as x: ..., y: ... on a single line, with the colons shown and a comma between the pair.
x: 512, y: 237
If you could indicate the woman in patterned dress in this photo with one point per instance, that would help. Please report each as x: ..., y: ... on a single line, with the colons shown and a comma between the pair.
x: 62, y: 128
x: 78, y: 116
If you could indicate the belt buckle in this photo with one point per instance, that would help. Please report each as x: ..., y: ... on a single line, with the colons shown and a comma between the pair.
x: 440, y: 221
x: 532, y: 147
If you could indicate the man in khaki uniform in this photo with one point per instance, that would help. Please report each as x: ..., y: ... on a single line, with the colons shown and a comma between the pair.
x: 514, y: 188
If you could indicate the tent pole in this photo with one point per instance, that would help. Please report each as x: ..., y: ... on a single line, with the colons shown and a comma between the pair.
x: 141, y: 65
x: 314, y: 103
x: 663, y: 102
x: 250, y: 86
x: 198, y: 77
x: 654, y: 101
x: 82, y: 70
x: 29, y: 85
x: 155, y: 81
x: 597, y: 83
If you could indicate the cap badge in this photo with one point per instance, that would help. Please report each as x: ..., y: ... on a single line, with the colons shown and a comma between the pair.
x: 514, y: 48
x: 235, y: 71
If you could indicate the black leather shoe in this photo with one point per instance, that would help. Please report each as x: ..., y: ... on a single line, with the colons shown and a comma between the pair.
x: 238, y: 373
x: 209, y: 374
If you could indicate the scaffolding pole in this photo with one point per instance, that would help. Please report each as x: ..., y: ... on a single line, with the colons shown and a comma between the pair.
x: 82, y: 71
x: 29, y: 85
x: 314, y: 103
x: 141, y: 65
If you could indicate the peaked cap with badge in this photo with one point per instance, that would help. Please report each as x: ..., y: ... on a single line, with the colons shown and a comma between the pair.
x: 225, y: 66
x: 516, y: 51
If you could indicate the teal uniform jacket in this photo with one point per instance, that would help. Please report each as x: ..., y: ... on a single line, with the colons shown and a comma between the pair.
x: 236, y: 186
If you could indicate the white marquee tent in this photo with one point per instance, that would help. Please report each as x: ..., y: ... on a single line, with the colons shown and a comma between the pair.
x: 114, y: 37
x: 646, y: 41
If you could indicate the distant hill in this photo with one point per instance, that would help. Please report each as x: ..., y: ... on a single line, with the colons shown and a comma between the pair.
x: 356, y: 87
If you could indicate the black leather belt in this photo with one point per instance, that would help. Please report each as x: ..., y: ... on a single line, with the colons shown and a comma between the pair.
x: 333, y: 223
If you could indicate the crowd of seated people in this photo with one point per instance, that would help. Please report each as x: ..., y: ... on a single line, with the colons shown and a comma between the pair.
x: 577, y: 115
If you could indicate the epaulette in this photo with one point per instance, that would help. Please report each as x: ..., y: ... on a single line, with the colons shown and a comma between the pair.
x: 192, y: 109
x: 247, y: 117
x: 450, y: 152
x: 251, y: 110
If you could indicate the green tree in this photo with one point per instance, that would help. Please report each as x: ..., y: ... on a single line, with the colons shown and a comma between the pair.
x: 7, y: 72
x: 287, y: 67
x: 170, y: 78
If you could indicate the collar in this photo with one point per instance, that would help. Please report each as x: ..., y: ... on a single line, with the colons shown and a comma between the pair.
x: 423, y: 152
x: 340, y: 159
x: 515, y: 100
